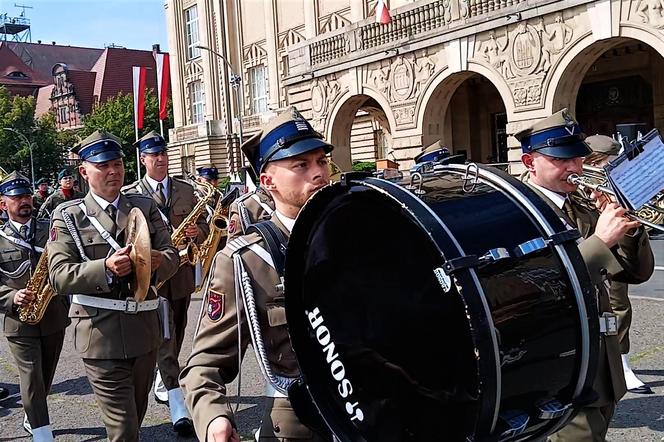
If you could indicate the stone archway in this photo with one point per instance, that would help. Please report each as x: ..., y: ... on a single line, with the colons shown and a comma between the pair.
x: 613, y: 82
x: 360, y: 130
x: 467, y: 113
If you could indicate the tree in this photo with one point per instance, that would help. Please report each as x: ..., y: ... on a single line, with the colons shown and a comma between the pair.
x: 116, y: 116
x: 48, y: 148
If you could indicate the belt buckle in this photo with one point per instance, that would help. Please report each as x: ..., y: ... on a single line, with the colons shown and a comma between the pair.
x: 131, y: 306
x: 608, y: 324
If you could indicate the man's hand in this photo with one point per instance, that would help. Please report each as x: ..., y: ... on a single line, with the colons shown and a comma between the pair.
x: 221, y: 430
x: 601, y: 199
x: 612, y: 224
x: 191, y: 231
x: 24, y: 297
x: 156, y: 257
x: 119, y: 263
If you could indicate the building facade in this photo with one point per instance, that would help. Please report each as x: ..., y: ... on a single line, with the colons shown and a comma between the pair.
x: 467, y: 72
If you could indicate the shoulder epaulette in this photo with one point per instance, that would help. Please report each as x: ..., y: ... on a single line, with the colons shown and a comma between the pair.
x: 62, y: 206
x: 182, y: 181
x: 123, y: 189
x: 137, y: 195
x: 241, y: 242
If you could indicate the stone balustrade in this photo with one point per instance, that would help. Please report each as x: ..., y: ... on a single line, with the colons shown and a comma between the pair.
x: 420, y: 20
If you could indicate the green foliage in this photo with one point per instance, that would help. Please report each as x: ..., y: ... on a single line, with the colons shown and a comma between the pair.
x: 364, y: 166
x: 48, y: 148
x: 117, y: 117
x: 223, y: 183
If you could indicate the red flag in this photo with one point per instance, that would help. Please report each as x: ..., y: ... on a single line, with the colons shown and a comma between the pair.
x: 139, y: 95
x: 383, y: 13
x: 163, y: 75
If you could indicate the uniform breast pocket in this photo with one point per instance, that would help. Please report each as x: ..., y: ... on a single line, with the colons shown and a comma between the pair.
x: 83, y: 319
x: 94, y: 245
x: 10, y: 256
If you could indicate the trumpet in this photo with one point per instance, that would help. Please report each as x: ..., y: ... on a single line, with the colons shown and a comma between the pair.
x: 587, y: 184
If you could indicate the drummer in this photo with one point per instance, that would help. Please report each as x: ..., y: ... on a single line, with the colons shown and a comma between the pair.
x: 615, y: 248
x: 116, y: 335
x: 290, y: 159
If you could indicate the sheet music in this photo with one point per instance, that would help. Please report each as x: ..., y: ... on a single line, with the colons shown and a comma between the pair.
x: 641, y: 178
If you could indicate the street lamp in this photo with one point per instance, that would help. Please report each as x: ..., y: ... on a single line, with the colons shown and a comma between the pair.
x: 236, y: 83
x: 32, y: 164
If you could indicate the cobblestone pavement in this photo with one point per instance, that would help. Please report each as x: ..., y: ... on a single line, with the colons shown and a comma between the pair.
x: 75, y: 416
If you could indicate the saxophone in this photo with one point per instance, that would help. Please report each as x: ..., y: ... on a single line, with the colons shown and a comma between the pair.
x: 189, y: 252
x: 218, y: 230
x: 33, y: 312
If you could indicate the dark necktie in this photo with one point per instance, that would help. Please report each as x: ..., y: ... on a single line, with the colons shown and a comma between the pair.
x: 569, y: 211
x: 23, y: 231
x: 161, y: 198
x: 111, y: 210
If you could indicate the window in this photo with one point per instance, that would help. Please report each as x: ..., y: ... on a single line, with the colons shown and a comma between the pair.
x: 188, y: 165
x: 258, y: 89
x: 63, y: 114
x: 191, y: 32
x: 197, y: 101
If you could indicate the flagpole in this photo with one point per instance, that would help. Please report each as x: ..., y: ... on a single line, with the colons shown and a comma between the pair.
x: 138, y: 154
x: 161, y: 127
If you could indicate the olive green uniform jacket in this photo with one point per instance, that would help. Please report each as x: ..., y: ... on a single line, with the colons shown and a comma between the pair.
x: 214, y: 361
x: 101, y: 333
x: 54, y: 200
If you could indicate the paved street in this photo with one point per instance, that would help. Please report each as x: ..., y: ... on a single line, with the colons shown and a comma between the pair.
x: 75, y: 416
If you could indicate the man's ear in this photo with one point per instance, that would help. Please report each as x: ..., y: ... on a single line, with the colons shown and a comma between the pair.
x: 142, y: 158
x: 266, y: 181
x: 83, y: 172
x: 529, y: 161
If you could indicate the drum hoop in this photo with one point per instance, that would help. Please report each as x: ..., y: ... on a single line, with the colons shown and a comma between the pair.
x: 500, y: 183
x: 410, y: 199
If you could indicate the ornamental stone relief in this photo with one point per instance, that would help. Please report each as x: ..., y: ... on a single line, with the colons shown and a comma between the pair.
x: 323, y: 93
x: 525, y: 56
x: 401, y: 82
x: 650, y: 12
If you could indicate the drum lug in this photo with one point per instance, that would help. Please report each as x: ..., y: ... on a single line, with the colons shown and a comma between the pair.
x: 552, y: 409
x: 464, y: 262
x: 516, y: 422
x: 537, y: 244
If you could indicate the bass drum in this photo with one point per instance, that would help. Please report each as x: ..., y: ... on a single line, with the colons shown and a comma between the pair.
x: 454, y: 307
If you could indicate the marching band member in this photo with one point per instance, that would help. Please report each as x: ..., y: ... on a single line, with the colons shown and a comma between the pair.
x: 176, y: 200
x: 66, y: 192
x: 291, y: 171
x: 614, y: 248
x: 41, y: 194
x: 36, y: 348
x: 604, y: 149
x: 248, y: 209
x: 117, y: 336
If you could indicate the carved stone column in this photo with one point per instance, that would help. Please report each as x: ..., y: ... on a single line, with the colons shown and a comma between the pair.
x: 272, y: 55
x: 175, y: 43
x: 356, y: 10
x: 310, y: 19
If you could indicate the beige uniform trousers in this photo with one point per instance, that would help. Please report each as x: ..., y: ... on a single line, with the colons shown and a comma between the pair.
x: 168, y: 363
x: 121, y: 388
x: 36, y: 358
x: 589, y: 425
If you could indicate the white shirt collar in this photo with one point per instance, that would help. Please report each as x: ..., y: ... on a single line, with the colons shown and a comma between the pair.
x: 153, y: 183
x: 556, y: 198
x: 18, y: 225
x: 103, y: 203
x: 287, y: 222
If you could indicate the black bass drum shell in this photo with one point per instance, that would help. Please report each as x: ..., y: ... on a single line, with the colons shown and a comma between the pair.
x: 391, y: 348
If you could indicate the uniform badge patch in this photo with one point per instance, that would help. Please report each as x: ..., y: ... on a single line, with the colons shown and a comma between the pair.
x: 215, y: 305
x: 232, y: 226
x: 54, y: 234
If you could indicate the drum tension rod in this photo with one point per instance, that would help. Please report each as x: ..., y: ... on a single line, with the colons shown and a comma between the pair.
x: 464, y: 262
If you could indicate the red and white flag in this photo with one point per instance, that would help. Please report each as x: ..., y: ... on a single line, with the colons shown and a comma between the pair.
x: 383, y: 13
x: 139, y: 95
x: 163, y: 75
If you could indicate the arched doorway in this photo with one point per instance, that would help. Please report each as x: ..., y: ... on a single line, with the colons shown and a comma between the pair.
x: 614, y: 86
x: 360, y: 132
x: 467, y: 113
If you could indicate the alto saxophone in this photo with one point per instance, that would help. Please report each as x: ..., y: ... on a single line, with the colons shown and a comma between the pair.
x: 33, y: 312
x: 189, y: 253
x: 218, y: 230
